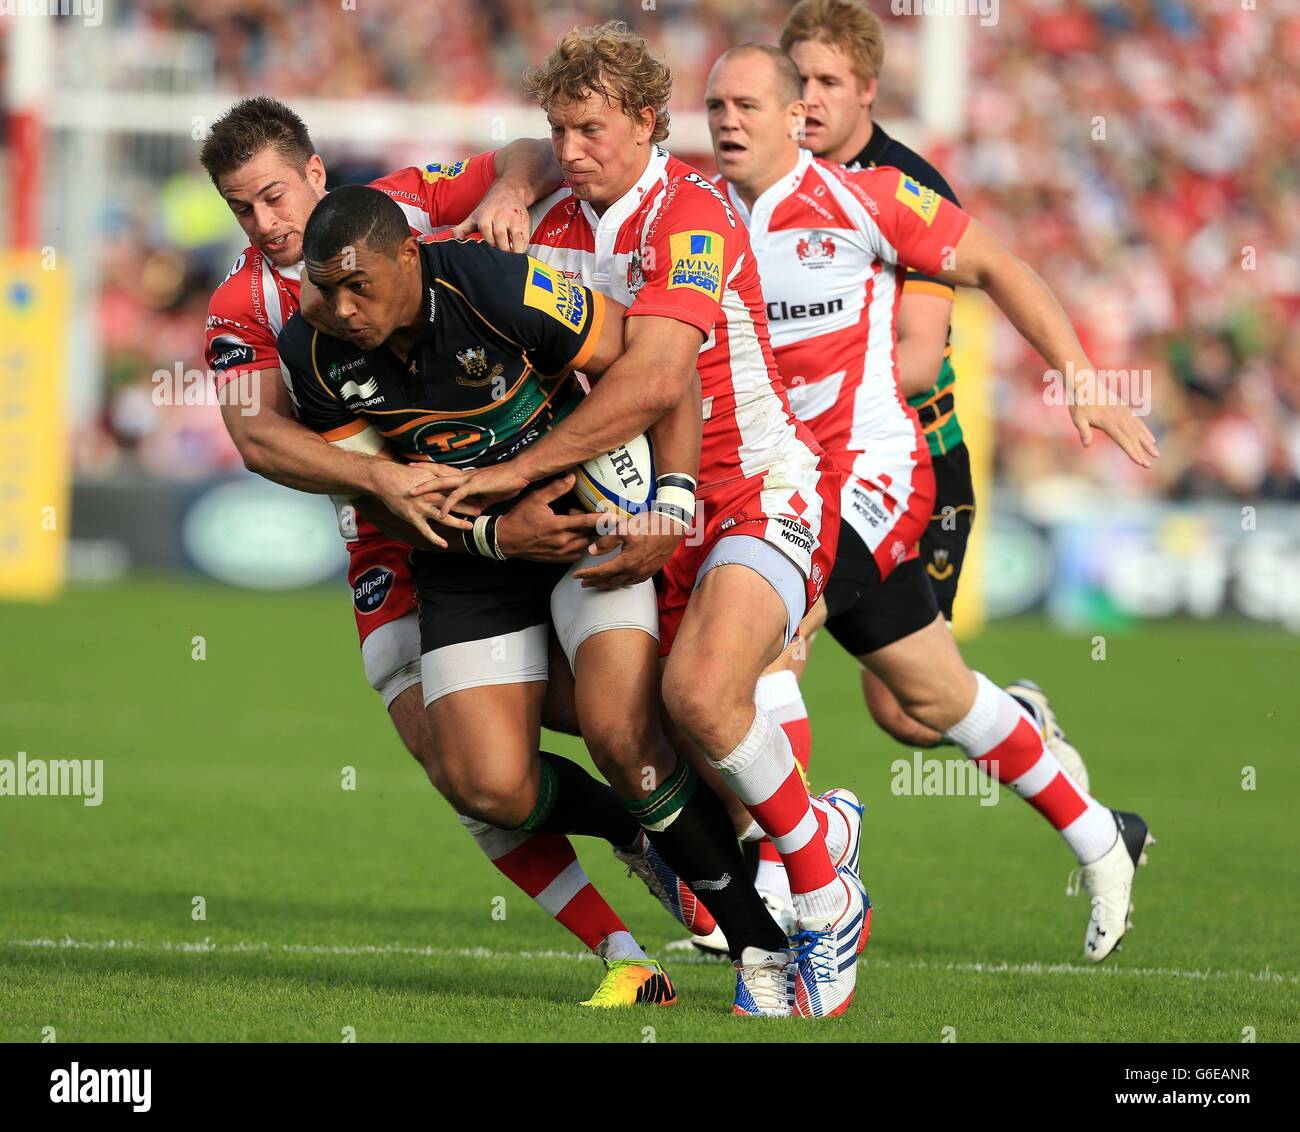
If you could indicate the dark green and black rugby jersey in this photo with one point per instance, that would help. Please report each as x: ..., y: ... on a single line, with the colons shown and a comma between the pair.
x: 491, y: 371
x: 936, y: 405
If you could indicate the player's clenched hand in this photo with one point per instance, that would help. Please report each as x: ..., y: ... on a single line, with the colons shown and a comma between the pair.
x: 1119, y: 423
x: 501, y: 218
x: 648, y: 542
x: 485, y: 486
x: 530, y: 529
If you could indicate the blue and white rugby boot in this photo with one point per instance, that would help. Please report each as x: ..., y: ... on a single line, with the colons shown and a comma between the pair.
x: 826, y: 954
x: 843, y: 828
x: 764, y: 983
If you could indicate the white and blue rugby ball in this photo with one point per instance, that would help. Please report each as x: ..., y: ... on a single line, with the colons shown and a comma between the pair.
x: 621, y: 482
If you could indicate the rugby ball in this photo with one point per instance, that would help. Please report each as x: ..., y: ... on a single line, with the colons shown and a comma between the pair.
x: 621, y: 482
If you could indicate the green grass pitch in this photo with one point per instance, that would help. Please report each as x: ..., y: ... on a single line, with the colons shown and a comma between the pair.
x: 369, y: 912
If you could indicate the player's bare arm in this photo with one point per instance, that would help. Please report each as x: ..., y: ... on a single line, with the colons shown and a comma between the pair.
x: 421, y: 533
x: 650, y: 377
x: 277, y: 447
x: 635, y: 388
x: 981, y: 260
x: 922, y: 337
x: 649, y: 539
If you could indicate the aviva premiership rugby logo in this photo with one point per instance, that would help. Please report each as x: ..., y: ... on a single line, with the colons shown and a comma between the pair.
x: 697, y: 263
x: 546, y: 290
x: 924, y: 202
x: 440, y: 172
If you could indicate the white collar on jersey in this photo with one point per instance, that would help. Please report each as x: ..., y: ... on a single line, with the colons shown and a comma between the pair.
x: 630, y: 201
x: 294, y: 272
x: 774, y: 194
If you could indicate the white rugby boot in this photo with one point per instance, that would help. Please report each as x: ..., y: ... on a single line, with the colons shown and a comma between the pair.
x: 714, y: 945
x: 826, y: 955
x: 843, y: 827
x: 844, y: 843
x: 1108, y: 881
x: 764, y: 983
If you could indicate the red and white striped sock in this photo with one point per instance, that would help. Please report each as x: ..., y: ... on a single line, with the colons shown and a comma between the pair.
x: 779, y: 695
x: 545, y: 867
x: 1006, y: 744
x: 763, y: 773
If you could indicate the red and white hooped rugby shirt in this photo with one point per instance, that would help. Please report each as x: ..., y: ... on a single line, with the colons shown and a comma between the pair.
x: 833, y: 247
x: 254, y: 301
x: 672, y: 246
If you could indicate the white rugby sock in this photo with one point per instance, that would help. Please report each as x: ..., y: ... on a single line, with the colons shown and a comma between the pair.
x: 619, y: 945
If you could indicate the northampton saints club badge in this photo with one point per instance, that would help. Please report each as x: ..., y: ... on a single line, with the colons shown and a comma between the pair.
x: 473, y: 360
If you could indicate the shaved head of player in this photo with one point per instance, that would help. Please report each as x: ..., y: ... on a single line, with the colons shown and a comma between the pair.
x: 362, y: 258
x: 756, y: 113
x: 838, y: 47
x: 269, y: 174
x: 603, y: 124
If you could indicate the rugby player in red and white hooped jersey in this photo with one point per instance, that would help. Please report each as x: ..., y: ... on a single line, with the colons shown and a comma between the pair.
x: 261, y: 159
x: 656, y: 235
x: 839, y: 48
x: 834, y: 247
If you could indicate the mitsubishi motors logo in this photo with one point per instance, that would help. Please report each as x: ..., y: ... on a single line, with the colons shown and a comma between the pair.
x: 816, y: 249
x: 797, y: 505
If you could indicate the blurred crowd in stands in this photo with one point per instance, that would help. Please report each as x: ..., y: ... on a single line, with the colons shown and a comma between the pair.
x: 1142, y: 155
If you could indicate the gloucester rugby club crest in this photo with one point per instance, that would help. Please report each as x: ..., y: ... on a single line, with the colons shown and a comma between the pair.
x: 816, y: 249
x: 635, y: 273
